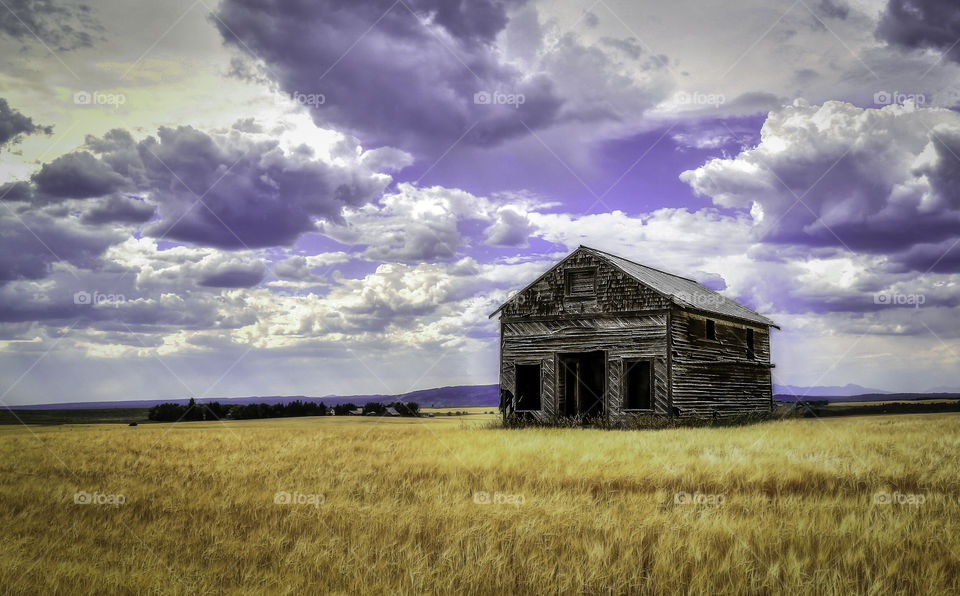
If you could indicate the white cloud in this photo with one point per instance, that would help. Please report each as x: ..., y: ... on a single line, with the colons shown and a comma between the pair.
x: 842, y: 176
x: 417, y: 224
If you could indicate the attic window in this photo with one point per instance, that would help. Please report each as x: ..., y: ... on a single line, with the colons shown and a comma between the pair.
x: 580, y: 282
x: 711, y: 330
x: 751, y: 348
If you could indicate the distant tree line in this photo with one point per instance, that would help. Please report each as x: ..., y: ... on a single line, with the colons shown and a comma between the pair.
x: 173, y: 412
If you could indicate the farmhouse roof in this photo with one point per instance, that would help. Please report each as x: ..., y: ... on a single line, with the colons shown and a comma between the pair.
x: 685, y: 293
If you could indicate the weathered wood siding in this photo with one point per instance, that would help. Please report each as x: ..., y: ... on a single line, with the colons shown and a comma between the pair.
x: 716, y: 375
x: 616, y: 292
x: 621, y: 337
x: 612, y: 312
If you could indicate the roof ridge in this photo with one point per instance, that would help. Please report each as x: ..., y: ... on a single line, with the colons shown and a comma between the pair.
x: 610, y: 254
x: 693, y: 281
x: 671, y: 290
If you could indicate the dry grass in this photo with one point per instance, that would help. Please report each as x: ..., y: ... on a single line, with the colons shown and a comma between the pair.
x: 598, y: 514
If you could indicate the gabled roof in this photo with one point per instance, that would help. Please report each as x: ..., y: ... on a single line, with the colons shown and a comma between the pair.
x: 685, y: 293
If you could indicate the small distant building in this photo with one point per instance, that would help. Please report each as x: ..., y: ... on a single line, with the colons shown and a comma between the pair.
x: 599, y: 335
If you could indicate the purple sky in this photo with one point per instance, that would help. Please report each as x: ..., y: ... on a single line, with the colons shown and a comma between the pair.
x: 266, y: 197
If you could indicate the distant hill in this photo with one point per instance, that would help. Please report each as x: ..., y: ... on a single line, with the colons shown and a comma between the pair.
x: 441, y: 397
x: 890, y: 397
x: 826, y: 390
x: 485, y: 396
x: 944, y: 389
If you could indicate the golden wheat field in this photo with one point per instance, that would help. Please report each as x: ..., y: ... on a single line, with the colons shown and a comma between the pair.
x: 864, y: 505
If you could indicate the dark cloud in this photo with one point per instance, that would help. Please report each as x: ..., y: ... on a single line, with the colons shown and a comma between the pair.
x: 119, y: 209
x: 834, y: 9
x: 77, y: 175
x: 16, y: 191
x: 933, y: 24
x: 13, y: 124
x: 407, y: 81
x: 119, y: 150
x: 233, y: 275
x: 936, y: 257
x: 944, y: 172
x: 755, y: 101
x: 242, y: 192
x: 233, y: 190
x: 102, y: 301
x: 32, y: 242
x: 60, y: 25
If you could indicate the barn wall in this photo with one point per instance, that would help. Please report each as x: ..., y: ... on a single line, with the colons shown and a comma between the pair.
x: 626, y: 319
x: 621, y: 337
x: 716, y: 376
x: 616, y: 292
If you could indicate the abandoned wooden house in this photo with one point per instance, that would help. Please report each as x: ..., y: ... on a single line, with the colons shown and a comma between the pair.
x: 598, y: 335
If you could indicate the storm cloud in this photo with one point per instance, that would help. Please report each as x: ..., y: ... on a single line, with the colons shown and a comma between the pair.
x: 64, y: 26
x: 428, y: 74
x: 926, y: 24
x: 401, y: 74
x: 232, y: 189
x: 13, y: 125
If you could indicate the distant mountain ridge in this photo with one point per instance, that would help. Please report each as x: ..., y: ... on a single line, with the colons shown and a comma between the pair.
x: 485, y: 396
x: 827, y: 390
x: 463, y: 395
x: 944, y: 389
x: 884, y: 397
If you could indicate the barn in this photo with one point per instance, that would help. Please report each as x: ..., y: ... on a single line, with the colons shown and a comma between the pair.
x: 598, y: 335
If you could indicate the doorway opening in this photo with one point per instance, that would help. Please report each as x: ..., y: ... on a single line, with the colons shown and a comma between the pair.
x: 581, y: 382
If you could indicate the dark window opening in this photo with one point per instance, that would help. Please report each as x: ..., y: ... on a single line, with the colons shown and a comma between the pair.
x: 711, y: 332
x: 638, y: 392
x: 751, y: 353
x: 528, y: 387
x: 580, y: 282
